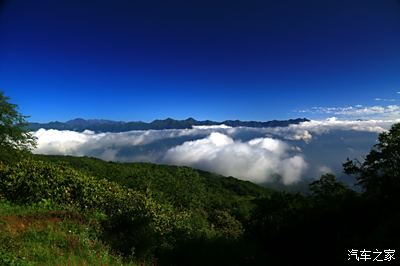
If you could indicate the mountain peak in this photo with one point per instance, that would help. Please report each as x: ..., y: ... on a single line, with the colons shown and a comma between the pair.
x: 102, y: 125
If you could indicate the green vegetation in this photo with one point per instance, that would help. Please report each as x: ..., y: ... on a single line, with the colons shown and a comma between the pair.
x: 184, y: 187
x: 174, y: 207
x: 14, y: 137
x: 40, y: 234
x: 62, y: 210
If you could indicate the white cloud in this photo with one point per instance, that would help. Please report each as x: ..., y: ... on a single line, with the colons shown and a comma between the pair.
x: 359, y: 111
x: 305, y: 130
x: 257, y: 160
x: 212, y: 127
x: 61, y: 142
x: 385, y: 100
x: 325, y: 170
x: 78, y: 143
x: 108, y: 145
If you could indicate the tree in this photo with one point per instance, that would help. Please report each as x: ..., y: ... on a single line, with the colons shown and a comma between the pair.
x: 328, y: 188
x: 14, y: 135
x: 379, y: 174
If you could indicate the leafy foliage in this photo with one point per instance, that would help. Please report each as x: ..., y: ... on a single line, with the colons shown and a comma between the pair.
x: 379, y: 174
x: 32, y: 182
x: 14, y: 136
x: 43, y: 235
x: 328, y: 189
x: 224, y: 221
x: 183, y: 187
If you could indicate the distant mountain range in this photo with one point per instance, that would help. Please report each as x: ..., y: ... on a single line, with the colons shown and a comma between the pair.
x: 101, y: 125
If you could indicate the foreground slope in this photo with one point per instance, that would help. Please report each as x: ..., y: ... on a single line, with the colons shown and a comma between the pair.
x: 183, y: 186
x: 43, y: 235
x: 141, y: 212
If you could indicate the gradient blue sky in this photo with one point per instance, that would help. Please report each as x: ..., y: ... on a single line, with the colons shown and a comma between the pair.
x: 249, y: 60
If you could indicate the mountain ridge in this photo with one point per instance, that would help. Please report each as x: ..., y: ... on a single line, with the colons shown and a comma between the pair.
x: 103, y: 125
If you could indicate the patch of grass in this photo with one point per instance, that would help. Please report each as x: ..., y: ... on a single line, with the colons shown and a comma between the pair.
x: 43, y: 235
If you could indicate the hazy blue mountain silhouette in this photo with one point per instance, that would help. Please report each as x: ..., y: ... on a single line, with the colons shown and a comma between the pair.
x: 101, y: 125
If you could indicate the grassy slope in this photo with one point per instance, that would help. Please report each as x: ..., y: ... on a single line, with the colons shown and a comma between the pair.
x: 39, y: 235
x: 123, y: 172
x: 179, y: 185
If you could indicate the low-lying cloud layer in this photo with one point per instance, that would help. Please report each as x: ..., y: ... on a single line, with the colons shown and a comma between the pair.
x: 306, y: 130
x: 256, y: 160
x: 359, y: 111
x: 255, y: 154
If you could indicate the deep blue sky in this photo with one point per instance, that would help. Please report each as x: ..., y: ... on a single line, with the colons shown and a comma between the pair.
x: 249, y: 60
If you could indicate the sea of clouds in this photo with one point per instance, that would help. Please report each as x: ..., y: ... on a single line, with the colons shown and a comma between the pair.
x: 260, y: 155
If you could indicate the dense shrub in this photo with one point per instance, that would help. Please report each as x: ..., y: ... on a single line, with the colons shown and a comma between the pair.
x: 134, y: 224
x: 32, y: 181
